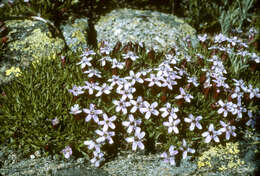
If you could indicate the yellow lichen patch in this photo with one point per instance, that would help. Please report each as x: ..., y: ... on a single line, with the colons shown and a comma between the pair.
x: 13, y: 70
x: 221, y: 157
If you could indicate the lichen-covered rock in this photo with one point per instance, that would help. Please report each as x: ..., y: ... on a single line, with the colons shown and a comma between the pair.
x: 28, y: 40
x: 157, y: 30
x: 75, y: 34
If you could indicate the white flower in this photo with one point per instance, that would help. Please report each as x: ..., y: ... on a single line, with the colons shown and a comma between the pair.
x: 126, y: 90
x: 93, y: 72
x: 184, y: 95
x: 92, y: 113
x: 185, y: 149
x: 223, y: 108
x: 149, y: 109
x: 228, y: 129
x: 130, y: 55
x: 87, y: 53
x: 85, y: 61
x: 136, y: 142
x: 171, y: 157
x: 105, y: 135
x: 67, y: 152
x: 104, y: 59
x: 154, y: 80
x: 98, y: 157
x: 121, y: 105
x: 253, y: 92
x: 131, y: 124
x: 193, y: 80
x: 172, y: 125
x: 75, y: 109
x: 76, y: 90
x: 105, y: 50
x: 91, y: 144
x: 104, y: 89
x: 202, y: 38
x: 107, y: 122
x: 115, y: 80
x: 116, y: 64
x: 165, y: 110
x: 211, y: 133
x: 194, y: 122
x: 138, y: 104
x: 90, y: 86
x: 134, y: 77
x: 55, y: 121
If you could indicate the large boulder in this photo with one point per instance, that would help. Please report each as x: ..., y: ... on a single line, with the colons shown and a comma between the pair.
x: 157, y: 30
x: 28, y: 40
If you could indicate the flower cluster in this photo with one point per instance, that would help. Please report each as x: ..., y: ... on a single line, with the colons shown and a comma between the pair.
x: 160, y: 97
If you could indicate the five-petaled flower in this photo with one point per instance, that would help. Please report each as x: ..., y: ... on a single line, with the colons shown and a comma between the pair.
x: 184, y: 95
x: 149, y: 109
x: 211, y: 133
x: 171, y: 157
x: 136, y: 143
x: 193, y: 122
x: 67, y: 152
x: 185, y: 149
x: 107, y: 122
x: 75, y: 109
x: 121, y: 105
x: 228, y: 129
x: 132, y: 124
x: 92, y: 113
x: 172, y: 125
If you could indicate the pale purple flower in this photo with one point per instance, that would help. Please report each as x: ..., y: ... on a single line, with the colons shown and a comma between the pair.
x: 240, y: 83
x: 107, y: 122
x: 67, y: 152
x: 130, y: 55
x: 185, y: 149
x: 115, y: 80
x: 171, y: 157
x: 154, y: 80
x: 75, y: 109
x: 121, y: 105
x: 55, y: 121
x: 98, y: 157
x: 85, y: 61
x: 211, y: 133
x: 117, y: 64
x: 131, y: 124
x: 173, y: 59
x: 193, y: 80
x: 103, y: 89
x: 76, y: 90
x: 90, y: 87
x: 87, y: 53
x: 105, y: 50
x: 137, y: 139
x: 91, y: 144
x: 93, y: 72
x: 223, y: 108
x: 229, y: 130
x: 105, y: 135
x: 126, y: 90
x: 149, y: 109
x: 166, y: 109
x: 202, y: 38
x: 92, y: 113
x: 138, y: 104
x: 253, y: 92
x: 172, y: 125
x: 184, y: 95
x: 193, y: 122
x: 237, y: 93
x: 134, y: 77
x: 105, y: 59
x: 181, y: 71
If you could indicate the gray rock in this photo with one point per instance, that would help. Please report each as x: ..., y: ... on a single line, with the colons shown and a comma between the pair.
x: 75, y: 33
x: 155, y: 29
x: 28, y: 41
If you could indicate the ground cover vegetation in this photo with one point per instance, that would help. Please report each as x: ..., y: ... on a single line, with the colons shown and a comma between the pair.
x: 130, y: 97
